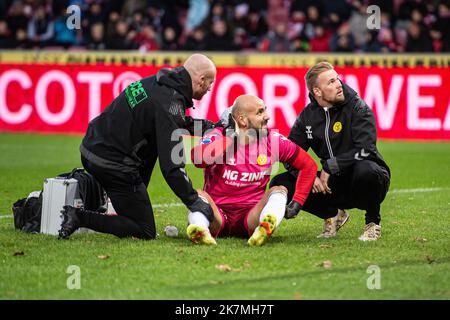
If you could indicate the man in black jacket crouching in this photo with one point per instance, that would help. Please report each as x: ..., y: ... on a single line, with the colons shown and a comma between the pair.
x: 340, y: 128
x: 122, y: 144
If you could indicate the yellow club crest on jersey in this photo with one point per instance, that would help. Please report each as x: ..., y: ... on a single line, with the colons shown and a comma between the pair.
x: 337, y: 127
x: 262, y: 159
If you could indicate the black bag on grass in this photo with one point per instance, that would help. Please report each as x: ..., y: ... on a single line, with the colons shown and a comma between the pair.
x: 27, y: 214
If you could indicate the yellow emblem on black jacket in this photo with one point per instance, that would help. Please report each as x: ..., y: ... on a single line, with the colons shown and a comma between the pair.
x: 337, y: 127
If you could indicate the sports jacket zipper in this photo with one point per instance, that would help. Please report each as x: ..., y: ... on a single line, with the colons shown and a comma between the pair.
x: 327, y: 129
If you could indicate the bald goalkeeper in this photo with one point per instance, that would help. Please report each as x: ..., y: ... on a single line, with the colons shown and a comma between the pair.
x: 122, y: 144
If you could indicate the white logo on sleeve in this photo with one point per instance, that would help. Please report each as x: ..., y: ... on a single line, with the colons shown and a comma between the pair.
x: 309, y: 132
x: 362, y: 154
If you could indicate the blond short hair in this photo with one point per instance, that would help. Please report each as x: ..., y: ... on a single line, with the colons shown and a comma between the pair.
x: 313, y: 73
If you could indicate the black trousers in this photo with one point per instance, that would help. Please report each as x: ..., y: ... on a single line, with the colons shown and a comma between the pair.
x: 128, y: 194
x: 365, y: 188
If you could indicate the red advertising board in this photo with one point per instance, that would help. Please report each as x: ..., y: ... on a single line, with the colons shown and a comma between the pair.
x: 409, y: 103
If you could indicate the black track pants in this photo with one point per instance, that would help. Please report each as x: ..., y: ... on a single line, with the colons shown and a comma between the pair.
x: 128, y: 194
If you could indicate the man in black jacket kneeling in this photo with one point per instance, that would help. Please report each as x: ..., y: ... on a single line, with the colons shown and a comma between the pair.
x: 122, y: 144
x: 340, y: 128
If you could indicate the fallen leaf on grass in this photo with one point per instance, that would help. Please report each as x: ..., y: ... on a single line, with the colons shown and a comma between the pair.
x: 223, y: 267
x: 103, y: 257
x: 326, y: 264
x: 18, y: 253
x: 420, y: 239
x: 226, y: 268
x: 298, y: 296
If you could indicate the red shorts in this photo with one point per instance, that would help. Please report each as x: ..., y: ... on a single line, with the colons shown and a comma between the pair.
x: 234, y: 222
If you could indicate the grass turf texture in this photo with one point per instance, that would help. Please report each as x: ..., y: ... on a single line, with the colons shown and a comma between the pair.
x: 289, y: 266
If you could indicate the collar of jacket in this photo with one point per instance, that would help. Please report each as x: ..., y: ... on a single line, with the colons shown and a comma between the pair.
x: 349, y: 95
x: 178, y: 79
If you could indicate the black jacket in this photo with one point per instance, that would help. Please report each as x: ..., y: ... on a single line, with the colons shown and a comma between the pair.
x: 339, y: 136
x: 136, y: 128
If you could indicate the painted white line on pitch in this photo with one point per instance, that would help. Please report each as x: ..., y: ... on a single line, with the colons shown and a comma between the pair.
x: 417, y: 190
x: 155, y: 206
x: 167, y: 205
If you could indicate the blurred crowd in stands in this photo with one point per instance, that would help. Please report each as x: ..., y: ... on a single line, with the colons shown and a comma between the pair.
x: 234, y: 25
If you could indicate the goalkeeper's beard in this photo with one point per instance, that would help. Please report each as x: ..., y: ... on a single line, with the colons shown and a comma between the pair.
x: 257, y: 132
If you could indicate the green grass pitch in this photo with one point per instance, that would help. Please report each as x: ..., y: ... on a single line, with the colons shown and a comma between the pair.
x: 413, y: 254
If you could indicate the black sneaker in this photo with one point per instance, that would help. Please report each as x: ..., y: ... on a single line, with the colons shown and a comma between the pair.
x: 71, y: 222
